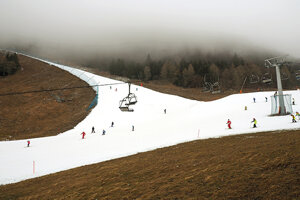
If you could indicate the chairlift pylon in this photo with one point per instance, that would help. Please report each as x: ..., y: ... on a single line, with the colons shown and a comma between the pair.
x: 130, y: 99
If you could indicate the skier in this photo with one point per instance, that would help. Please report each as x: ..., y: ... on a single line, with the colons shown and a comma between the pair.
x: 112, y: 124
x: 28, y: 143
x: 298, y: 115
x: 254, y: 99
x: 83, y: 134
x: 293, y: 101
x: 132, y: 128
x: 266, y: 99
x: 254, y: 123
x: 103, y: 132
x: 294, y: 119
x: 93, y: 129
x: 229, y: 124
x: 165, y: 110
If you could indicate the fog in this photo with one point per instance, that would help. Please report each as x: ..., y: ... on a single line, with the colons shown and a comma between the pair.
x: 85, y: 29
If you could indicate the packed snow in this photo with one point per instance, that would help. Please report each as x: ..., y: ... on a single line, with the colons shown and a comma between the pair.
x: 184, y: 120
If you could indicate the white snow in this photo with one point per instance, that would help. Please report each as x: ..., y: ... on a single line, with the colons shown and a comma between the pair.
x: 185, y: 120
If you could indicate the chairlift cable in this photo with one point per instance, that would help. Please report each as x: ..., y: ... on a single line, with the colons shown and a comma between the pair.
x: 57, y: 89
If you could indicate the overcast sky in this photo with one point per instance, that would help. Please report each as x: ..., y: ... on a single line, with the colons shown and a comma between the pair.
x: 115, y: 26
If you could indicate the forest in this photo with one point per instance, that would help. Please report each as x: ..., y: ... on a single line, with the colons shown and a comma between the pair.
x: 210, y: 71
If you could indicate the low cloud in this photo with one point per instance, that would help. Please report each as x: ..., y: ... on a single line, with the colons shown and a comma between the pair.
x: 100, y: 29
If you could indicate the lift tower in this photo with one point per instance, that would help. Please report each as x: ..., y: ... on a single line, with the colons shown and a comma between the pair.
x: 277, y: 62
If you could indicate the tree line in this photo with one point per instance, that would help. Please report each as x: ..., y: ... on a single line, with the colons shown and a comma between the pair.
x: 229, y: 70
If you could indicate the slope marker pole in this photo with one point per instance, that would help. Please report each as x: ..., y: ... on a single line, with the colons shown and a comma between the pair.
x: 33, y: 165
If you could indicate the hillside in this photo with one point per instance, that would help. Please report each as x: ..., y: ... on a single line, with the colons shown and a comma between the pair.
x: 44, y: 113
x: 253, y: 166
x: 250, y: 166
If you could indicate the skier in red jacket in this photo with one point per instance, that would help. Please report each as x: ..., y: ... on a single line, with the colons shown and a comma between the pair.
x: 83, y: 134
x: 229, y: 124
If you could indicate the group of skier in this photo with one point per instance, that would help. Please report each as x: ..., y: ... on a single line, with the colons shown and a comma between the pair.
x: 254, y: 121
x: 103, y: 131
x: 93, y: 130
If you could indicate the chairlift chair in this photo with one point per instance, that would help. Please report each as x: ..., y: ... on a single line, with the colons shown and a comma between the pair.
x: 124, y: 105
x: 215, y: 88
x: 298, y: 75
x: 284, y: 76
x: 130, y: 99
x: 266, y: 78
x: 253, y: 79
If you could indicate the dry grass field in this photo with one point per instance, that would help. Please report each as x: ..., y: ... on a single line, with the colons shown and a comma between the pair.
x: 44, y: 113
x: 250, y: 166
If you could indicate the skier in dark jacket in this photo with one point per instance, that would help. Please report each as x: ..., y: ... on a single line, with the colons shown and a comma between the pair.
x: 254, y: 123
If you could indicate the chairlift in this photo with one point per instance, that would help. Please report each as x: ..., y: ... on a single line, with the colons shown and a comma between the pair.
x: 298, y: 75
x: 215, y: 88
x: 266, y: 78
x: 253, y: 79
x: 284, y: 76
x: 130, y: 99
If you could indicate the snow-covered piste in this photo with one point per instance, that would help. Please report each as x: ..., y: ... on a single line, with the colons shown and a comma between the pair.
x: 185, y: 120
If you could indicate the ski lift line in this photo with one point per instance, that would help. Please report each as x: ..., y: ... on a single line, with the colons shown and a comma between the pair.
x: 57, y: 89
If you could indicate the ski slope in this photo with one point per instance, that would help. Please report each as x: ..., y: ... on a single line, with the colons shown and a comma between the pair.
x: 185, y: 120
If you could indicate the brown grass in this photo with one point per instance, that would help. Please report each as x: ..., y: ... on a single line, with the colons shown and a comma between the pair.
x: 252, y: 166
x: 40, y: 114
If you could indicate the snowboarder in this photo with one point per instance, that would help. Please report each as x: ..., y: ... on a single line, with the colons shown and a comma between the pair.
x: 109, y: 87
x: 83, y: 134
x: 112, y: 124
x: 165, y: 110
x: 28, y: 143
x: 229, y: 124
x: 254, y: 123
x: 116, y: 89
x: 103, y: 132
x: 254, y: 99
x: 266, y: 99
x: 132, y: 128
x: 93, y: 129
x: 293, y: 118
x: 298, y: 115
x: 293, y: 101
